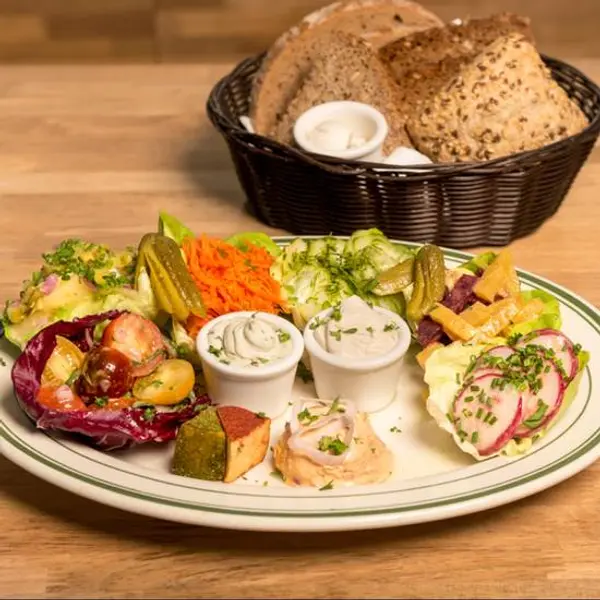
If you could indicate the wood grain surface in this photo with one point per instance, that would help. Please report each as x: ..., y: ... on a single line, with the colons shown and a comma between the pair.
x: 226, y: 30
x: 96, y: 152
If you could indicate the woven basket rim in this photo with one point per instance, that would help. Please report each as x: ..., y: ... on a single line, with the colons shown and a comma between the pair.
x: 234, y: 129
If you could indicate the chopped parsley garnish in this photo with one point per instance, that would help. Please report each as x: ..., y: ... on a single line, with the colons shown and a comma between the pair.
x: 277, y: 474
x: 214, y: 350
x: 336, y: 335
x: 514, y: 339
x: 72, y: 377
x: 370, y: 330
x: 336, y: 313
x: 391, y: 326
x: 535, y: 420
x: 395, y: 429
x: 332, y: 445
x: 157, y: 383
x: 261, y: 415
x: 350, y: 331
x: 327, y: 486
x: 150, y: 412
x: 336, y: 407
x: 474, y: 437
x: 317, y: 322
x: 2, y: 362
x: 101, y: 401
x: 93, y: 262
x: 284, y: 336
x: 305, y: 415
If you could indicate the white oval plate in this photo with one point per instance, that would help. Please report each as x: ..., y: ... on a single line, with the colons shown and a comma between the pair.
x: 432, y: 479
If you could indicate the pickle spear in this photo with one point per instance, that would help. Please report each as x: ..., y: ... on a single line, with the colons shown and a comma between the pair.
x: 429, y: 282
x: 395, y: 279
x: 175, y: 290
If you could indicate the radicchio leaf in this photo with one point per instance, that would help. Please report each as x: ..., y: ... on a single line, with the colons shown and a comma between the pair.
x: 105, y: 429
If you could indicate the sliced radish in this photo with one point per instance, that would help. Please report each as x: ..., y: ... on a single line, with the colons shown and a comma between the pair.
x: 539, y: 408
x: 499, y: 352
x: 560, y: 343
x: 487, y: 416
x: 482, y: 367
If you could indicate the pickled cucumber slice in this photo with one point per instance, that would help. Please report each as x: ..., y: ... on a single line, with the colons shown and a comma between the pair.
x: 175, y: 290
x: 394, y: 280
x: 64, y: 362
x: 429, y: 282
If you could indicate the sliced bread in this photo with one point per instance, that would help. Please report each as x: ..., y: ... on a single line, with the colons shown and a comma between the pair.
x: 504, y: 101
x: 350, y: 70
x: 291, y: 56
x: 425, y: 61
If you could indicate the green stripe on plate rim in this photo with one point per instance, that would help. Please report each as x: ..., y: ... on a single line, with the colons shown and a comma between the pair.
x: 591, y: 316
x: 503, y: 465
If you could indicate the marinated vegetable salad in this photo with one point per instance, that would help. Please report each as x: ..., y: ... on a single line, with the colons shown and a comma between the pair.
x: 109, y: 338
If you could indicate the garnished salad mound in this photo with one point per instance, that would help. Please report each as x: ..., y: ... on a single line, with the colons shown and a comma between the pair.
x: 108, y: 348
x: 501, y: 398
x: 112, y: 378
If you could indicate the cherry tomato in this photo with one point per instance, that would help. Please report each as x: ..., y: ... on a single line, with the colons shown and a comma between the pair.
x: 59, y: 397
x: 170, y: 383
x: 139, y: 339
x: 106, y: 372
x: 63, y: 364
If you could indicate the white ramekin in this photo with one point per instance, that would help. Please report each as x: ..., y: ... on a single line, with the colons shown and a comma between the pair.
x: 370, y: 151
x: 267, y: 388
x: 371, y: 383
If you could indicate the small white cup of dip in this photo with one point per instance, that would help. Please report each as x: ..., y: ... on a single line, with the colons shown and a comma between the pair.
x: 363, y: 119
x: 372, y: 382
x: 263, y: 389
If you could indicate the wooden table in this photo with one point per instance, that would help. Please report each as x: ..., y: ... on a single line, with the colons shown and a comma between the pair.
x: 96, y: 152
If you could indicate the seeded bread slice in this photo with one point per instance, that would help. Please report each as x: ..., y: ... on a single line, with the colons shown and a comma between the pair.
x: 350, y: 70
x: 291, y: 56
x: 425, y: 61
x: 503, y: 102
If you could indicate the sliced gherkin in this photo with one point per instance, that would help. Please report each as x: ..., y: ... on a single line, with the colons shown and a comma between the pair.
x: 395, y: 279
x: 175, y: 290
x: 429, y: 282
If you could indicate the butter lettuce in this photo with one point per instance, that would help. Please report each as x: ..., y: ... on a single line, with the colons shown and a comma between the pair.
x: 549, y: 319
x: 479, y: 263
x: 444, y: 372
x: 173, y: 228
x: 262, y: 240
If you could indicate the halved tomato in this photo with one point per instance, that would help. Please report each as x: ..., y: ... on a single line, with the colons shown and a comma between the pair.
x: 64, y: 363
x: 170, y: 383
x: 59, y: 397
x: 139, y: 339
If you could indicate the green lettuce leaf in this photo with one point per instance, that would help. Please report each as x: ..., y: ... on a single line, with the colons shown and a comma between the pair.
x: 444, y: 372
x: 173, y: 228
x: 479, y: 262
x: 549, y: 319
x: 262, y: 240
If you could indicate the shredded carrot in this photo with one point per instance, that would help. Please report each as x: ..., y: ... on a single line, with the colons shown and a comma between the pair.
x: 229, y: 279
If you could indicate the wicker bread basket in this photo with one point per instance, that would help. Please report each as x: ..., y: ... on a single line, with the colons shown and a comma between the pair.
x: 461, y: 205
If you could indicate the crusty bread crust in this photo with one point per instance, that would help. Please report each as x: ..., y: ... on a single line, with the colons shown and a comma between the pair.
x: 503, y: 102
x: 411, y: 17
x: 351, y: 71
x: 426, y: 61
